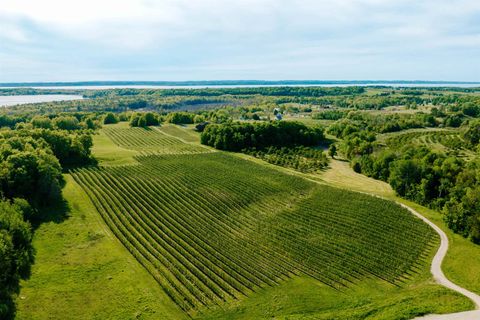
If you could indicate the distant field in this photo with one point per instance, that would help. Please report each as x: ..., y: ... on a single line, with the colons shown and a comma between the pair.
x: 441, y: 140
x: 148, y: 139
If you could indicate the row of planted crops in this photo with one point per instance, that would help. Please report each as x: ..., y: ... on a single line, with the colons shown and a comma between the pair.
x: 211, y: 227
x: 148, y: 139
x: 447, y: 139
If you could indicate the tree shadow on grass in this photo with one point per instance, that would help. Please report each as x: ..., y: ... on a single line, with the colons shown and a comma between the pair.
x: 57, y: 212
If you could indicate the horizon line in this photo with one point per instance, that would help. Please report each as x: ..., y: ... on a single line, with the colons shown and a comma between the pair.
x: 222, y: 82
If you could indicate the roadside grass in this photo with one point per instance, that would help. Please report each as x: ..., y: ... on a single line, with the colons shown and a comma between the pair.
x: 83, y: 272
x: 306, y: 298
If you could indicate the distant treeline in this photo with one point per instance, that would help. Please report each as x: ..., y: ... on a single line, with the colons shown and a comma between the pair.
x: 32, y: 91
x: 266, y: 91
x: 231, y: 83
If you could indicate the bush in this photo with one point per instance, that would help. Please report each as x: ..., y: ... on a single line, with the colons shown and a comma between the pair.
x: 180, y: 118
x: 66, y: 123
x: 144, y: 120
x: 110, y: 118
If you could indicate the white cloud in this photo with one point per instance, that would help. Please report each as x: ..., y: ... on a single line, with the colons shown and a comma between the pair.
x: 249, y: 35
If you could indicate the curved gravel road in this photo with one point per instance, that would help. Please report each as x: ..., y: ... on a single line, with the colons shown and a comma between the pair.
x: 440, y: 278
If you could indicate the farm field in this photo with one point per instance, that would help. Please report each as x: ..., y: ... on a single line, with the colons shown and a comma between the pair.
x: 440, y: 140
x: 294, y: 229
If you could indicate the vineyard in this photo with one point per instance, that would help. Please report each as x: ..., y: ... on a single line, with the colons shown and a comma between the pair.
x: 149, y: 139
x: 442, y: 140
x: 211, y: 227
x: 303, y: 159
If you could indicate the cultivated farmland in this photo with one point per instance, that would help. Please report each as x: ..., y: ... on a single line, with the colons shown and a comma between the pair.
x: 444, y: 140
x: 149, y: 139
x: 211, y: 227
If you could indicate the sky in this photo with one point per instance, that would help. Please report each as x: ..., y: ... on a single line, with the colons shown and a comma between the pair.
x: 86, y: 40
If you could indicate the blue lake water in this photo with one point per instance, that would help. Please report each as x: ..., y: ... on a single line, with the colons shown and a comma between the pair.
x: 6, y: 101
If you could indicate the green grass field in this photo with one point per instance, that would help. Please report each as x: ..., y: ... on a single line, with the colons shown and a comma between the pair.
x: 224, y: 236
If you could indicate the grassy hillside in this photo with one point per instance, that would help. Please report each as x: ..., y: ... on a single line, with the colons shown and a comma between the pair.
x: 225, y: 237
x: 440, y: 140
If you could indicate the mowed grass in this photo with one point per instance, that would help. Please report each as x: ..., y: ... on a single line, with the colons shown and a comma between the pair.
x: 108, y: 153
x: 305, y: 298
x: 183, y: 132
x: 82, y: 271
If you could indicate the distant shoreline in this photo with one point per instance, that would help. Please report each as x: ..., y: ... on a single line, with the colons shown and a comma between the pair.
x: 238, y: 83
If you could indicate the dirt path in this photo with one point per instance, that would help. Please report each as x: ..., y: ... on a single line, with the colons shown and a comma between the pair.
x: 436, y: 270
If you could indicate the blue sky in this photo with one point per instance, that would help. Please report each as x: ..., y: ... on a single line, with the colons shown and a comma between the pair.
x: 74, y: 40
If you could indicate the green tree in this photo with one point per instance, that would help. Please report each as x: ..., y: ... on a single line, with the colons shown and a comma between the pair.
x: 110, y: 118
x: 66, y: 123
x: 332, y: 150
x: 472, y: 134
x: 16, y: 254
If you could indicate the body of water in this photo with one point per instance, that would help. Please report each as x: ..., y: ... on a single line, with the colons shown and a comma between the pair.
x: 389, y: 84
x: 6, y: 101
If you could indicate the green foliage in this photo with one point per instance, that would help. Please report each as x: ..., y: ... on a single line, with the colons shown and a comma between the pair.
x: 198, y: 118
x: 110, y: 118
x: 362, y: 121
x: 330, y: 115
x: 472, y: 133
x: 180, y: 117
x: 145, y: 119
x: 42, y: 122
x: 332, y: 150
x: 7, y: 121
x: 300, y: 158
x: 16, y: 252
x: 66, y: 123
x: 237, y: 136
x: 29, y: 169
x: 462, y: 210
